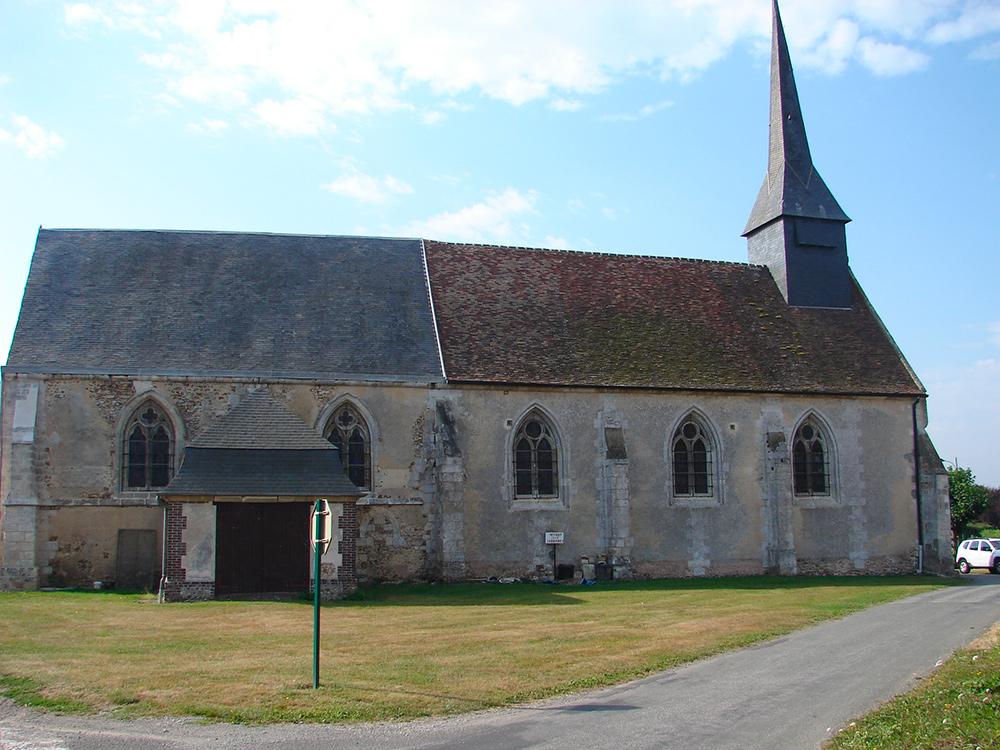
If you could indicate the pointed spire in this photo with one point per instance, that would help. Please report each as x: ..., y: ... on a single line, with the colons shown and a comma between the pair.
x: 792, y: 187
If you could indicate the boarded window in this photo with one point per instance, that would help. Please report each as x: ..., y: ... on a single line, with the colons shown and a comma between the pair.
x: 614, y: 439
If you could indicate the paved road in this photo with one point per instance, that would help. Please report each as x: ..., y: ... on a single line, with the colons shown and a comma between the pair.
x: 792, y: 693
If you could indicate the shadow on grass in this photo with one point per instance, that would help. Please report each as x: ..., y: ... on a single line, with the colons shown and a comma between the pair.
x: 487, y: 594
x: 96, y: 592
x: 527, y: 594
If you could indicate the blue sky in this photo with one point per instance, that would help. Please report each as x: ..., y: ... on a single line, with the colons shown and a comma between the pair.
x: 597, y: 125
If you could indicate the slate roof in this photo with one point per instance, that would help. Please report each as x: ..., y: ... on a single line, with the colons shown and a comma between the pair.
x: 792, y: 186
x: 260, y: 448
x: 259, y: 421
x: 241, y: 472
x: 523, y: 316
x: 218, y: 303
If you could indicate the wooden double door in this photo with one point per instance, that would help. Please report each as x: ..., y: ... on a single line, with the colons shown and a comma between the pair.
x: 261, y: 548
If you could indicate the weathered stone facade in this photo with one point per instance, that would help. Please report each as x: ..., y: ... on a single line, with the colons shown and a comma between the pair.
x: 442, y: 506
x: 505, y: 392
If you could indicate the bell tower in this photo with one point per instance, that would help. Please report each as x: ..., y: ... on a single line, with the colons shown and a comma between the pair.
x: 796, y: 228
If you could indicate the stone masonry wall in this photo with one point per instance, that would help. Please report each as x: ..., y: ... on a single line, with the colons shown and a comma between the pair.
x: 441, y: 503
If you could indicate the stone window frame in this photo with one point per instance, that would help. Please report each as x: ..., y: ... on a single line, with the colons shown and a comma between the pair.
x: 559, y: 501
x: 126, y: 416
x: 711, y: 434
x: 831, y: 497
x: 325, y: 417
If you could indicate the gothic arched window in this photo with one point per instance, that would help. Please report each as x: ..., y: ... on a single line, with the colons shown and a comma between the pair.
x: 149, y: 449
x: 348, y: 431
x: 811, y: 460
x: 536, y: 459
x: 693, y: 462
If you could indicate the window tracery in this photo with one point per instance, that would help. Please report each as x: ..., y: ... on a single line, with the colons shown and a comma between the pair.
x: 693, y: 460
x: 149, y: 449
x: 536, y: 459
x: 810, y: 460
x: 348, y: 431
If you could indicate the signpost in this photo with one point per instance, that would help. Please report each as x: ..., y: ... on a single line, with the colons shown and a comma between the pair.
x: 320, y: 536
x: 555, y: 538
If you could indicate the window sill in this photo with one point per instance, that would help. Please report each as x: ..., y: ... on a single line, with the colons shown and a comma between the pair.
x: 695, y: 502
x: 816, y: 501
x: 537, y: 503
x: 138, y: 497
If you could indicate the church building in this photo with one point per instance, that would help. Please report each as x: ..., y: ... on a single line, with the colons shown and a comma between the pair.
x: 174, y: 402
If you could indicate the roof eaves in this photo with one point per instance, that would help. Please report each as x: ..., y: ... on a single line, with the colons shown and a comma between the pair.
x: 885, y: 331
x: 242, y: 374
x: 685, y: 388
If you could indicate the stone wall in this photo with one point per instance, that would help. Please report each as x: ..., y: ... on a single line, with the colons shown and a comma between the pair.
x: 623, y: 508
x: 442, y: 503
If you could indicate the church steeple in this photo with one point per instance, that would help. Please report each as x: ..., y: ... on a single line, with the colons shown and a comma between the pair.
x: 796, y: 227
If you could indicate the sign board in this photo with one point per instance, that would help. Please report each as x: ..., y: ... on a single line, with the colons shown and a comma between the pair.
x: 326, y: 526
x: 554, y: 537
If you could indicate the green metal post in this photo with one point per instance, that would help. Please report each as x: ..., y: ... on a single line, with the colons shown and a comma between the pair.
x: 318, y: 553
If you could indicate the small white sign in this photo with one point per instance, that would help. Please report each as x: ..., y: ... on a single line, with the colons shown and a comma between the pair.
x: 327, y: 525
x: 555, y: 537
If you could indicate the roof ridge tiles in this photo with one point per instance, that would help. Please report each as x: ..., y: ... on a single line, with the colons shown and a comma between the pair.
x: 228, y: 232
x: 597, y: 253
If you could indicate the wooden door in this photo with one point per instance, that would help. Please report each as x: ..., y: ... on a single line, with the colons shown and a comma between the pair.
x: 136, y: 561
x: 262, y: 548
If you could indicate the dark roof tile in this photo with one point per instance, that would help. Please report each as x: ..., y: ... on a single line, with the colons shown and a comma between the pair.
x: 138, y: 302
x: 240, y: 472
x: 513, y: 315
x: 258, y: 421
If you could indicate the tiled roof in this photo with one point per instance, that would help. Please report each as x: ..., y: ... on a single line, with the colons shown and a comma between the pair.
x: 260, y: 448
x: 296, y: 473
x: 515, y: 315
x: 219, y: 303
x: 259, y: 421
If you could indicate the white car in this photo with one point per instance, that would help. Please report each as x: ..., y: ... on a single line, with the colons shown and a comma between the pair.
x: 978, y: 553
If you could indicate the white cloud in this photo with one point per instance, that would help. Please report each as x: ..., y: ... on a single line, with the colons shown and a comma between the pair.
x: 565, y: 105
x: 994, y: 332
x: 81, y: 13
x: 557, y: 243
x: 366, y: 188
x: 292, y: 117
x: 4, y: 79
x: 886, y: 59
x: 208, y: 126
x: 32, y: 139
x: 987, y: 51
x: 963, y: 403
x: 640, y: 114
x: 491, y: 220
x: 431, y: 118
x: 833, y: 51
x: 297, y: 66
x: 977, y: 19
x: 446, y: 179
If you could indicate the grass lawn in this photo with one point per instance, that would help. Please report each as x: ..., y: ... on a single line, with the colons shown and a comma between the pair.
x: 394, y: 652
x: 958, y: 708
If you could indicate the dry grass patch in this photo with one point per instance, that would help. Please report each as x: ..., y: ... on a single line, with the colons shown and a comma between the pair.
x: 394, y: 652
